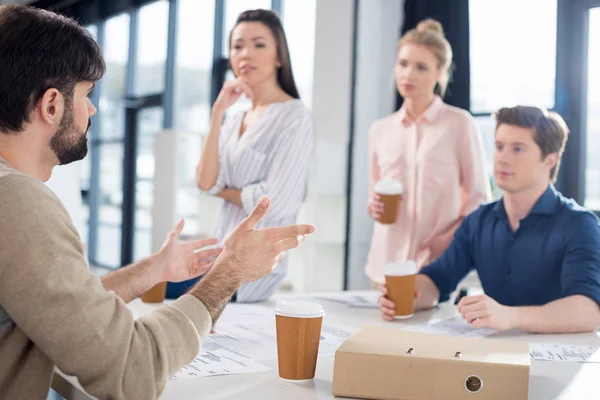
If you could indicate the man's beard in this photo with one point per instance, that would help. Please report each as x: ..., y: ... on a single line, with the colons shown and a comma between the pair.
x: 66, y: 148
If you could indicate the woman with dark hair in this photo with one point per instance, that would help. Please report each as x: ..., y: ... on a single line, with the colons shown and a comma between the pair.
x: 263, y: 151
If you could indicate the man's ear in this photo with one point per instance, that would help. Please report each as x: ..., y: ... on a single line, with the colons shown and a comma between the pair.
x: 551, y: 160
x: 51, y: 106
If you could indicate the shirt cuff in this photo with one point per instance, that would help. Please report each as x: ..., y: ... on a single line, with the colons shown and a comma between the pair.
x: 196, y: 311
x: 249, y: 200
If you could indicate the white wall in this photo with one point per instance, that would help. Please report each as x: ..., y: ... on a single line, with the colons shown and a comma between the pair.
x: 379, y: 24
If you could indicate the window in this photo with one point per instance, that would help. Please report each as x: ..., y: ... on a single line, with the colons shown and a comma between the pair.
x: 110, y: 213
x: 116, y: 54
x: 111, y: 115
x: 149, y: 76
x: 513, y: 53
x: 193, y: 77
x: 194, y: 64
x: 150, y: 121
x: 592, y: 177
x: 299, y: 20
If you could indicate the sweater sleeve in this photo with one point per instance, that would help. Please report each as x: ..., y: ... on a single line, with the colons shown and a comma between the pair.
x: 49, y: 292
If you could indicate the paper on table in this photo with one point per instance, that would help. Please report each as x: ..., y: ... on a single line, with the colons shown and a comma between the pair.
x: 332, y: 337
x: 258, y: 340
x: 564, y: 352
x: 454, y: 326
x: 251, y: 340
x: 368, y: 299
x: 219, y: 361
x: 236, y: 312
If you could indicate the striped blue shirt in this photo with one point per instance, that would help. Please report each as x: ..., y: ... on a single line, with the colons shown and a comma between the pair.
x: 271, y: 159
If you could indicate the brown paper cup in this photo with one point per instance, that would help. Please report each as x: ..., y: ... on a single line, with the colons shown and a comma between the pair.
x: 390, y: 191
x: 156, y: 294
x: 400, y: 281
x: 391, y: 202
x: 298, y: 327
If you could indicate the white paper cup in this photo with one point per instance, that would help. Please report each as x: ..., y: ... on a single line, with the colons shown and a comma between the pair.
x: 390, y: 192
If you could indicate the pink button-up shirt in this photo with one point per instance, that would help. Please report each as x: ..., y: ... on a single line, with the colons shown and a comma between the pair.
x: 439, y: 159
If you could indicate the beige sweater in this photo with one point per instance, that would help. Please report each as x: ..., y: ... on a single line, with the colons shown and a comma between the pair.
x: 55, y: 312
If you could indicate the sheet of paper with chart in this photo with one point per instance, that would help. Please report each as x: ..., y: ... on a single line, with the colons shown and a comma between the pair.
x: 564, y: 352
x: 214, y: 361
x: 216, y: 358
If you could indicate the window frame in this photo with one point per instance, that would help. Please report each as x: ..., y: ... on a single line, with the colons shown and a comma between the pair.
x: 571, y: 66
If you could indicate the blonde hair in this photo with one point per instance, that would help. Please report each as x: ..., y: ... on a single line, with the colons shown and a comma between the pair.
x: 429, y: 33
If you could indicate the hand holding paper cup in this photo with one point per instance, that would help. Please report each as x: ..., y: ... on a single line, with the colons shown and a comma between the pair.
x: 298, y: 327
x: 390, y: 192
x: 400, y: 279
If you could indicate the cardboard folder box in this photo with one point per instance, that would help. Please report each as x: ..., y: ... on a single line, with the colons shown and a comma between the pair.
x: 384, y: 363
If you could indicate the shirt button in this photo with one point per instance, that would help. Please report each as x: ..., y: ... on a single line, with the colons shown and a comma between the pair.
x: 512, y: 238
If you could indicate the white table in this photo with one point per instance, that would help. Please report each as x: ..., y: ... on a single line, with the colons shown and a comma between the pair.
x: 548, y: 380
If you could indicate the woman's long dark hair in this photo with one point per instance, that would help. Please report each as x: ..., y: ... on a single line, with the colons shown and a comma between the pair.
x: 285, y: 77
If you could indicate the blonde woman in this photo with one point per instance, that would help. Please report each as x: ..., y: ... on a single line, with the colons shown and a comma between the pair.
x: 432, y: 148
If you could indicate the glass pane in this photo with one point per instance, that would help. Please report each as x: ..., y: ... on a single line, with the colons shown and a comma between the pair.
x: 149, y: 123
x: 233, y: 8
x: 151, y: 55
x: 592, y: 178
x: 299, y: 19
x: 518, y: 65
x: 112, y: 93
x: 110, y: 213
x: 195, y: 40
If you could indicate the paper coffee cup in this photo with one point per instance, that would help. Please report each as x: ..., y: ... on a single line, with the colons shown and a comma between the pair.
x: 298, y: 327
x: 155, y: 294
x: 390, y: 191
x: 400, y: 280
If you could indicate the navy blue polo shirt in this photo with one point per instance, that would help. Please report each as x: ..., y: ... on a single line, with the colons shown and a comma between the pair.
x: 555, y: 253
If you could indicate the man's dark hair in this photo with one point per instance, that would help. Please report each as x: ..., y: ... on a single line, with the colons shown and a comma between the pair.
x: 40, y: 50
x: 549, y: 129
